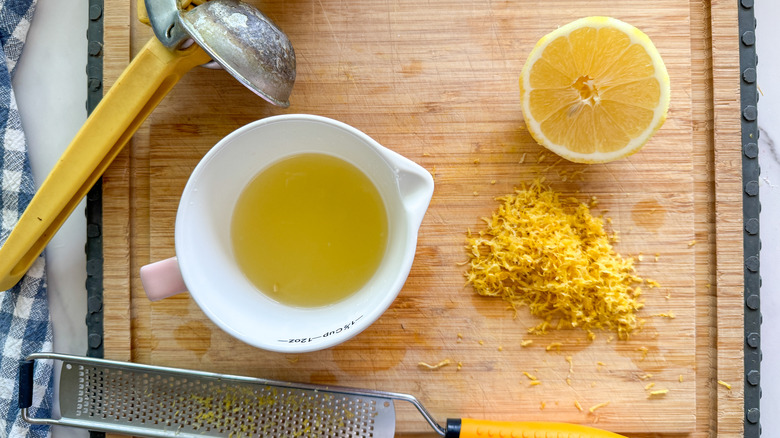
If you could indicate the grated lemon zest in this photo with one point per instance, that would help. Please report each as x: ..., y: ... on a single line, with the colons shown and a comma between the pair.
x: 556, y: 260
x: 554, y: 346
x: 443, y: 363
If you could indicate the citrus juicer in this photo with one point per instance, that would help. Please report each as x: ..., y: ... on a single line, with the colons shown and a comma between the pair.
x: 230, y: 33
x: 146, y: 400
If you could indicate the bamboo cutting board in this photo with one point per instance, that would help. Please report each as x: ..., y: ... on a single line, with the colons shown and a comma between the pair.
x: 438, y: 83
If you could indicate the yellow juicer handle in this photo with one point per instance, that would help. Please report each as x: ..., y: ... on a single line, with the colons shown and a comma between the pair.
x: 143, y: 84
x: 531, y: 429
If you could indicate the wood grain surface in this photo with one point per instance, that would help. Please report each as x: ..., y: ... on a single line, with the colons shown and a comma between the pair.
x: 438, y: 83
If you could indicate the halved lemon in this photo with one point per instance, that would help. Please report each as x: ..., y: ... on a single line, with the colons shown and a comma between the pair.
x: 594, y: 90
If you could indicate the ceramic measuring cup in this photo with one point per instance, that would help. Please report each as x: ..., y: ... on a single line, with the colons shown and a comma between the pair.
x: 205, y: 264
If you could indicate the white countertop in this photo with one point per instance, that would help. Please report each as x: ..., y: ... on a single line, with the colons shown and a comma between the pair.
x: 50, y: 87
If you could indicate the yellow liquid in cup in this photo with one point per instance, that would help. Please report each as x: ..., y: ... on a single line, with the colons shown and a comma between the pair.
x: 310, y: 230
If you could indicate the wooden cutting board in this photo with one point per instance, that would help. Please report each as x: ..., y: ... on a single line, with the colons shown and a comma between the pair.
x: 438, y: 83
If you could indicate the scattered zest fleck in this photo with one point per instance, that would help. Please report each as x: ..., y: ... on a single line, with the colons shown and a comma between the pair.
x: 526, y: 343
x: 578, y: 405
x: 652, y: 283
x: 443, y: 363
x: 571, y: 364
x: 644, y: 351
x: 691, y: 243
x: 554, y: 345
x: 536, y: 382
x: 681, y: 378
x: 645, y: 377
x: 660, y: 392
x: 460, y: 365
x: 542, y: 405
x: 529, y: 375
x: 649, y: 385
x: 722, y: 383
x: 669, y: 315
x: 593, y: 408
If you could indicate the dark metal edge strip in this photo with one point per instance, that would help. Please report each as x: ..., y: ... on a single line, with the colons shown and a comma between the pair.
x: 751, y: 207
x: 94, y: 209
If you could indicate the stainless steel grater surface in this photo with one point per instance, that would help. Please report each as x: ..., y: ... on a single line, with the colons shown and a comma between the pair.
x: 154, y: 401
x: 147, y: 400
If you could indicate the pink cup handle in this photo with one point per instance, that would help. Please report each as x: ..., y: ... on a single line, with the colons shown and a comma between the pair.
x: 162, y: 279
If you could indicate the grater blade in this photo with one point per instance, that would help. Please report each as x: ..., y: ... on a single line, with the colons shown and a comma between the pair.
x: 161, y: 402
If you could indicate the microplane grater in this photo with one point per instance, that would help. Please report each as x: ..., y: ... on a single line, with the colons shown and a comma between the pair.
x: 153, y: 401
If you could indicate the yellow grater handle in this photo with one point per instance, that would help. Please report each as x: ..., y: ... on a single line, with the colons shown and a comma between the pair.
x: 143, y: 84
x: 532, y: 429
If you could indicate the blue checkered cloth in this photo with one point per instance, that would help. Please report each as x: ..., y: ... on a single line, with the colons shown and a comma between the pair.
x: 25, y: 323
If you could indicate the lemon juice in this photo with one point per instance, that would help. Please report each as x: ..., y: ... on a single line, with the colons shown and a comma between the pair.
x: 310, y: 230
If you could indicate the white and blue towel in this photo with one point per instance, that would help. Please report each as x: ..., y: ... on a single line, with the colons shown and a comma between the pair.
x: 25, y: 323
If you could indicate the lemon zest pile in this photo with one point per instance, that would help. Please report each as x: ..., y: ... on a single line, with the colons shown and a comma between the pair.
x: 558, y: 261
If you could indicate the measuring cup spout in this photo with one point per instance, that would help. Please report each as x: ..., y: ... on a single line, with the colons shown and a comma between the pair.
x: 416, y: 187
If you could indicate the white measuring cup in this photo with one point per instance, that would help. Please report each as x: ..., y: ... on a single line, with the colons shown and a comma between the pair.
x: 205, y: 265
